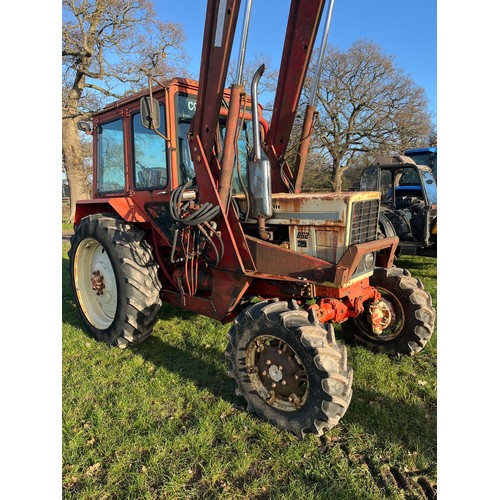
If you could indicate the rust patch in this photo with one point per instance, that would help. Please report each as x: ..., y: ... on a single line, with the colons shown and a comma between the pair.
x: 98, y: 282
x: 278, y: 261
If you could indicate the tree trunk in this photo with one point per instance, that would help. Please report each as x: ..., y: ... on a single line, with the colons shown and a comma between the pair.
x: 338, y: 179
x: 73, y: 162
x: 336, y: 176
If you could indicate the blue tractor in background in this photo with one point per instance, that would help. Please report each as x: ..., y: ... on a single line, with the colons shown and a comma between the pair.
x: 424, y: 156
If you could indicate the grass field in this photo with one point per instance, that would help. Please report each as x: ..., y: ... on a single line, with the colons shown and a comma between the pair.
x: 161, y: 420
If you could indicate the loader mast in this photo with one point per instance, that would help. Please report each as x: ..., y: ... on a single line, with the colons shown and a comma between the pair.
x: 220, y: 25
x: 303, y: 22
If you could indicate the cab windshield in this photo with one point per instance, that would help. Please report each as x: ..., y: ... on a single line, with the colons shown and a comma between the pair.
x: 185, y: 105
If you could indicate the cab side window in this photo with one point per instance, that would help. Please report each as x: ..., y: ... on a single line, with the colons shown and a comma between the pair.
x: 111, y: 157
x: 369, y: 180
x: 149, y: 154
x: 185, y: 107
x: 386, y: 182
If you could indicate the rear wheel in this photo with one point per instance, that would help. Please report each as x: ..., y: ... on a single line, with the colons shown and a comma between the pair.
x: 114, y: 279
x: 289, y: 368
x: 409, y: 315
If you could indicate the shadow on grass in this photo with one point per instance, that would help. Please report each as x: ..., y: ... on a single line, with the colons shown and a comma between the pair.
x: 390, y: 420
x: 203, y: 366
x: 415, y: 265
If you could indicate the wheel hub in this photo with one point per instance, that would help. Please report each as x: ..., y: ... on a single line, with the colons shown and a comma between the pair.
x: 383, y: 320
x: 278, y: 369
x: 380, y: 314
x: 277, y: 373
x: 97, y: 282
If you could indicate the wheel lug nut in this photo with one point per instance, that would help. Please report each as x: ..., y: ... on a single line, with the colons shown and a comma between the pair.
x: 264, y: 373
x: 279, y: 351
x: 280, y: 367
x: 290, y: 398
x: 296, y: 377
x: 283, y: 382
x: 268, y: 362
x: 273, y: 385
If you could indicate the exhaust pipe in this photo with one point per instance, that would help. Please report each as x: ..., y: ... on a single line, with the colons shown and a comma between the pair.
x: 259, y: 169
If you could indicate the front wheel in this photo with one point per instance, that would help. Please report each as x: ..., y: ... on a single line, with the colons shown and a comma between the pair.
x: 409, y: 315
x: 289, y: 368
x: 114, y: 279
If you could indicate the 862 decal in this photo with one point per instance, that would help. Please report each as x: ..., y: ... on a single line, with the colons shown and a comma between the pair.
x: 302, y: 237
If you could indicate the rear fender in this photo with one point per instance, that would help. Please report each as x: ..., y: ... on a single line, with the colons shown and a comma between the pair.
x: 124, y: 207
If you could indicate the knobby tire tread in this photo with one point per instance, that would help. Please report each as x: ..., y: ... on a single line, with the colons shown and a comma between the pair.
x: 332, y: 391
x: 135, y: 265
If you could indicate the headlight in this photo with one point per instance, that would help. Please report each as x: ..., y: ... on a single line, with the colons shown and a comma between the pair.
x: 369, y: 260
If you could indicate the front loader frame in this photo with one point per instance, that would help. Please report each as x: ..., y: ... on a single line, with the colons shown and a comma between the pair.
x: 249, y: 266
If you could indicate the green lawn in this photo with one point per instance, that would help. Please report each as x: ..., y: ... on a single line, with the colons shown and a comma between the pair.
x: 161, y: 420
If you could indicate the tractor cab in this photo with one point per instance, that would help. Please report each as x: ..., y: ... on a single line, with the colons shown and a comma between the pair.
x: 424, y: 156
x: 409, y: 201
x: 131, y: 159
x: 399, y: 181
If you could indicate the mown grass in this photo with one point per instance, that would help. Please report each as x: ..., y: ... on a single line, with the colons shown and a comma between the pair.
x: 161, y: 420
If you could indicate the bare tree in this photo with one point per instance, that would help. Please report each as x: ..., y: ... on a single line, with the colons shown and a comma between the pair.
x: 109, y: 48
x: 366, y: 105
x: 433, y: 138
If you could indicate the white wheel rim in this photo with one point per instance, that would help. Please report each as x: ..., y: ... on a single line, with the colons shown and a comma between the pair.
x: 95, y: 283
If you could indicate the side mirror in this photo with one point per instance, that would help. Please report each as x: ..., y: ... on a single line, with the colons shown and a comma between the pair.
x: 150, y: 114
x: 84, y: 127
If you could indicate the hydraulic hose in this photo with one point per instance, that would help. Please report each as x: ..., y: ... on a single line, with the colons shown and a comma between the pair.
x: 200, y: 219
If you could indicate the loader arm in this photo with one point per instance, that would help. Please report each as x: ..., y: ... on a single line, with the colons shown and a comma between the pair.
x: 303, y: 24
x: 220, y: 25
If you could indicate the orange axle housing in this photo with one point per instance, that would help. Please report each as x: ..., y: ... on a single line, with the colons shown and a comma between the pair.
x: 338, y: 311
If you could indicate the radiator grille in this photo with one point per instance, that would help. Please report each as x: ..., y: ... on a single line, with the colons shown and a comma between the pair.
x: 364, y: 221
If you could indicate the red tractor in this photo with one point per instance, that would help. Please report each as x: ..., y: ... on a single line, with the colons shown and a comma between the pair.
x: 195, y: 204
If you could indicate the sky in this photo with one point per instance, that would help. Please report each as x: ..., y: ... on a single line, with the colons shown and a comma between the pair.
x: 404, y: 29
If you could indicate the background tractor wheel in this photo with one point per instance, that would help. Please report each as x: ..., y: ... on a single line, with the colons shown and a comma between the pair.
x: 289, y: 368
x: 411, y: 315
x: 114, y: 279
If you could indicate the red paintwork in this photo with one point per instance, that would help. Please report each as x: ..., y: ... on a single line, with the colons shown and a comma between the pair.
x: 247, y: 267
x: 216, y: 52
x: 122, y: 205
